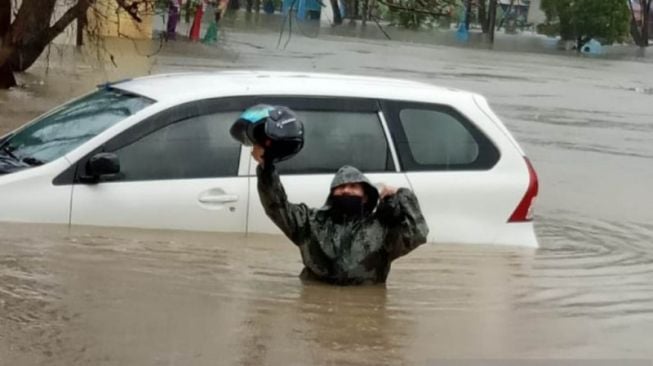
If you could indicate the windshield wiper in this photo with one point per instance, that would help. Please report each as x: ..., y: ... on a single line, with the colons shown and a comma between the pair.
x: 4, y: 146
x: 7, y: 150
x: 32, y: 161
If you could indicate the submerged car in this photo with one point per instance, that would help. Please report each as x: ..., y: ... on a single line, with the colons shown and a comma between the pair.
x: 156, y: 152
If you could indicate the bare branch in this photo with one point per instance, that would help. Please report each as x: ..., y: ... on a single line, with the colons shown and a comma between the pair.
x: 133, y: 7
x: 68, y: 17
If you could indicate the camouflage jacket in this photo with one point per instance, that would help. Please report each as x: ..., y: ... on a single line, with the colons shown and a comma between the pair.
x: 346, y: 250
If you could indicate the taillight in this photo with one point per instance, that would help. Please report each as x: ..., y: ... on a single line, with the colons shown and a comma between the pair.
x: 524, y: 211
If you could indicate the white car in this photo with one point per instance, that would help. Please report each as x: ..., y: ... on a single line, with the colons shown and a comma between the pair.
x: 156, y: 152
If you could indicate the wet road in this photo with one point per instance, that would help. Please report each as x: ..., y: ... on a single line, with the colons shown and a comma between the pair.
x: 130, y: 297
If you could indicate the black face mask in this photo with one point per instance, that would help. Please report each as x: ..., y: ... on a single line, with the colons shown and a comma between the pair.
x: 348, y: 205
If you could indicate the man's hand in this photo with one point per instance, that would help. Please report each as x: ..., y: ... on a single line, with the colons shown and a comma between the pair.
x: 386, y: 191
x: 257, y: 153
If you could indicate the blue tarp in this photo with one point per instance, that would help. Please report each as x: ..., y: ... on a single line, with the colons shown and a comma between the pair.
x: 301, y: 7
x: 592, y: 47
x: 462, y: 34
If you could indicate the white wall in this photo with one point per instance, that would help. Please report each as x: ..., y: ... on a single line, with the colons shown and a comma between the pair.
x: 535, y: 15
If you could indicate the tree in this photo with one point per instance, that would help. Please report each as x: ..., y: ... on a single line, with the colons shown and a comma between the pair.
x: 582, y: 20
x: 337, y: 15
x: 487, y: 16
x: 6, y: 76
x: 640, y: 11
x: 491, y: 19
x: 415, y: 13
x: 27, y: 27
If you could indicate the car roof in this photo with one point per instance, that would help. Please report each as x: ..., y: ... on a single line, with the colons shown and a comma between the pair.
x: 201, y: 85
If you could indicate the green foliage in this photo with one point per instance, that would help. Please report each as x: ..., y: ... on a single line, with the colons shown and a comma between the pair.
x: 577, y: 20
x: 414, y: 14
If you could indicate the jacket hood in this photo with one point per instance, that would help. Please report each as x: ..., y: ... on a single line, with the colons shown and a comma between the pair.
x: 349, y: 174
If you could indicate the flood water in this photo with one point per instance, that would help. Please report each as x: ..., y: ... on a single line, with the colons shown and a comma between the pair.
x: 107, y: 296
x: 131, y: 297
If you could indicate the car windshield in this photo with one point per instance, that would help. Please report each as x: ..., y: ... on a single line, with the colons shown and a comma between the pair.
x: 59, y: 132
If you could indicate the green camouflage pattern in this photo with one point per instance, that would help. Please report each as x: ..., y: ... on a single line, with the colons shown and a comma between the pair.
x: 346, y: 250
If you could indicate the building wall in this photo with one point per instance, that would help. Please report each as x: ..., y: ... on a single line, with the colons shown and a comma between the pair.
x: 111, y: 23
x: 535, y: 14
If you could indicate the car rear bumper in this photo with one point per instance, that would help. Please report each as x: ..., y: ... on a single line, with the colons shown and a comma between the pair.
x: 521, y: 234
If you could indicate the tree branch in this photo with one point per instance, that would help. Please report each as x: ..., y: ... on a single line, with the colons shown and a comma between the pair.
x: 69, y: 16
x: 131, y: 8
x: 66, y: 19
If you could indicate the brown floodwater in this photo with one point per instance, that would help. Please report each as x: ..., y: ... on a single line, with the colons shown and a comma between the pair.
x: 134, y: 297
x: 112, y: 296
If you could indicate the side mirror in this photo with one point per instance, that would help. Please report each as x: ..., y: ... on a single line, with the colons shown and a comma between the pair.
x: 99, y: 165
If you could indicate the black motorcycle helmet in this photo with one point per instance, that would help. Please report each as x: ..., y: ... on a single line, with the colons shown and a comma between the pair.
x: 277, y: 128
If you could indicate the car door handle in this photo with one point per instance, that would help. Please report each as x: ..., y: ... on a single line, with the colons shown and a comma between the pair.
x: 218, y: 198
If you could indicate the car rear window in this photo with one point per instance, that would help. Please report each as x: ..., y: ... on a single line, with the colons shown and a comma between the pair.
x: 437, y: 138
x: 337, y: 138
x: 432, y: 137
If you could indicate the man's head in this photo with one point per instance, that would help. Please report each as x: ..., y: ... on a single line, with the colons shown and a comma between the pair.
x: 350, y: 189
x: 352, y: 193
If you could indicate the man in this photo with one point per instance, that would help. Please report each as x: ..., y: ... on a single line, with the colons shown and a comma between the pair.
x: 351, y: 240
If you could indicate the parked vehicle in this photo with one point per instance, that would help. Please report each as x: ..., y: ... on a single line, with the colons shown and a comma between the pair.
x: 156, y: 152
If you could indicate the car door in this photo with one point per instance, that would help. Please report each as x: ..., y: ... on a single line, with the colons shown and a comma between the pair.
x: 449, y: 162
x: 179, y: 170
x: 338, y: 131
x: 30, y: 196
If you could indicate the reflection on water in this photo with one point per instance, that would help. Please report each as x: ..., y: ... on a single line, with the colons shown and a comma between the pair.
x: 125, y: 296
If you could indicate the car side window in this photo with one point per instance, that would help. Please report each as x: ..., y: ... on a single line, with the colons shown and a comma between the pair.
x: 194, y: 147
x: 432, y: 137
x: 337, y: 138
x: 437, y: 138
